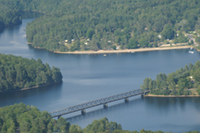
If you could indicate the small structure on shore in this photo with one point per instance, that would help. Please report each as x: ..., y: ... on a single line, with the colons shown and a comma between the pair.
x: 191, y: 51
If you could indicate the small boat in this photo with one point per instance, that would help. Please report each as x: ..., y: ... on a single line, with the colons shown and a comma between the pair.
x: 191, y: 51
x: 104, y: 55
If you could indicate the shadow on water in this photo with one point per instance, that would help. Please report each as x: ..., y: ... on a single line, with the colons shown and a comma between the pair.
x: 96, y: 111
x: 24, y: 15
x: 31, y: 93
x: 165, y: 103
x: 1, y: 30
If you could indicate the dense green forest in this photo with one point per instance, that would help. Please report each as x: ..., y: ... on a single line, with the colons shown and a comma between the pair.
x: 17, y: 73
x: 8, y: 17
x: 28, y: 119
x: 82, y: 25
x: 21, y: 118
x: 185, y: 81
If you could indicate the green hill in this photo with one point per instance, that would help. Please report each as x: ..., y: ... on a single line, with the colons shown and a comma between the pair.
x: 92, y: 24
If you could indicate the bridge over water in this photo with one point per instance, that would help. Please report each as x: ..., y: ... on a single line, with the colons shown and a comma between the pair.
x: 103, y: 101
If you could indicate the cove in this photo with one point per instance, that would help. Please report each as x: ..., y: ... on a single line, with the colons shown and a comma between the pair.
x: 91, y: 77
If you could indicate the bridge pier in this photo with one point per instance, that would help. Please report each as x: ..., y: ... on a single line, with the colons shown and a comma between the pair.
x: 59, y: 116
x: 105, y: 106
x: 144, y: 93
x: 83, y: 112
x: 126, y: 100
x: 104, y: 101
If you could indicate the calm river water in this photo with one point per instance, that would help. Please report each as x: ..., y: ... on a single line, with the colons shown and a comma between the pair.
x: 90, y: 77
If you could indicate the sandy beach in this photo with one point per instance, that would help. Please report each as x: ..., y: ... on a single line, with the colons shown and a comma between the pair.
x: 151, y: 95
x: 124, y: 50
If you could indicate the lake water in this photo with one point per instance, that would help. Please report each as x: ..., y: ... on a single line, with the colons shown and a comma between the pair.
x: 91, y: 77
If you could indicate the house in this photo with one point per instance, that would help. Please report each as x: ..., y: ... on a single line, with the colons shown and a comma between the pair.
x: 118, y: 47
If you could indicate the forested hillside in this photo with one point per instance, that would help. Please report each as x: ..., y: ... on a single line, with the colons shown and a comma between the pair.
x: 10, y: 10
x: 8, y: 17
x: 185, y: 81
x: 107, y: 24
x: 17, y: 73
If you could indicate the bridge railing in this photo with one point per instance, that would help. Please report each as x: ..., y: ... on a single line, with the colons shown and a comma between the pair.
x: 104, y: 101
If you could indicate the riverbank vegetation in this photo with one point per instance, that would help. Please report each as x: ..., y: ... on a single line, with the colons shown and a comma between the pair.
x: 9, y: 17
x: 28, y: 119
x: 21, y: 118
x: 17, y: 73
x: 185, y: 81
x: 106, y: 24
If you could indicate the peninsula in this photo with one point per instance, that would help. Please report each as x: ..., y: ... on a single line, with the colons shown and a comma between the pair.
x: 74, y: 26
x: 185, y: 82
x: 17, y: 73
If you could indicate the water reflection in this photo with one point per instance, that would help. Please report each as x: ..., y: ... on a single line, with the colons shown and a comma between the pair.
x: 34, y: 94
x: 166, y: 104
x: 96, y: 111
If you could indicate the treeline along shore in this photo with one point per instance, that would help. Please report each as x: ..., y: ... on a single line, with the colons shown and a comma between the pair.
x: 21, y: 118
x: 17, y: 73
x: 185, y: 82
x: 68, y: 26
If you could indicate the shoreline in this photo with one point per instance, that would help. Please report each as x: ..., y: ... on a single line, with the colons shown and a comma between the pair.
x: 120, y: 51
x: 151, y: 95
x: 124, y: 50
x: 29, y: 88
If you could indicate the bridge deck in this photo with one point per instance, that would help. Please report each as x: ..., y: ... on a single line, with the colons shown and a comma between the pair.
x: 106, y: 100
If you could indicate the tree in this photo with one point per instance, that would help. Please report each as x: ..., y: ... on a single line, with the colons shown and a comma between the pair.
x: 198, y: 90
x: 182, y: 38
x: 143, y: 42
x: 132, y: 43
x: 56, y: 74
x: 168, y: 32
x: 181, y: 85
x: 25, y: 125
x: 90, y: 33
x: 147, y: 84
x: 196, y: 75
x: 74, y: 128
x: 63, y: 125
x: 77, y: 45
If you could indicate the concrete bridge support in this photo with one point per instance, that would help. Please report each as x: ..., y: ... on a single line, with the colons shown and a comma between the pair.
x: 59, y: 116
x: 104, y: 101
x: 144, y: 93
x: 83, y: 112
x: 126, y: 100
x: 105, y: 106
